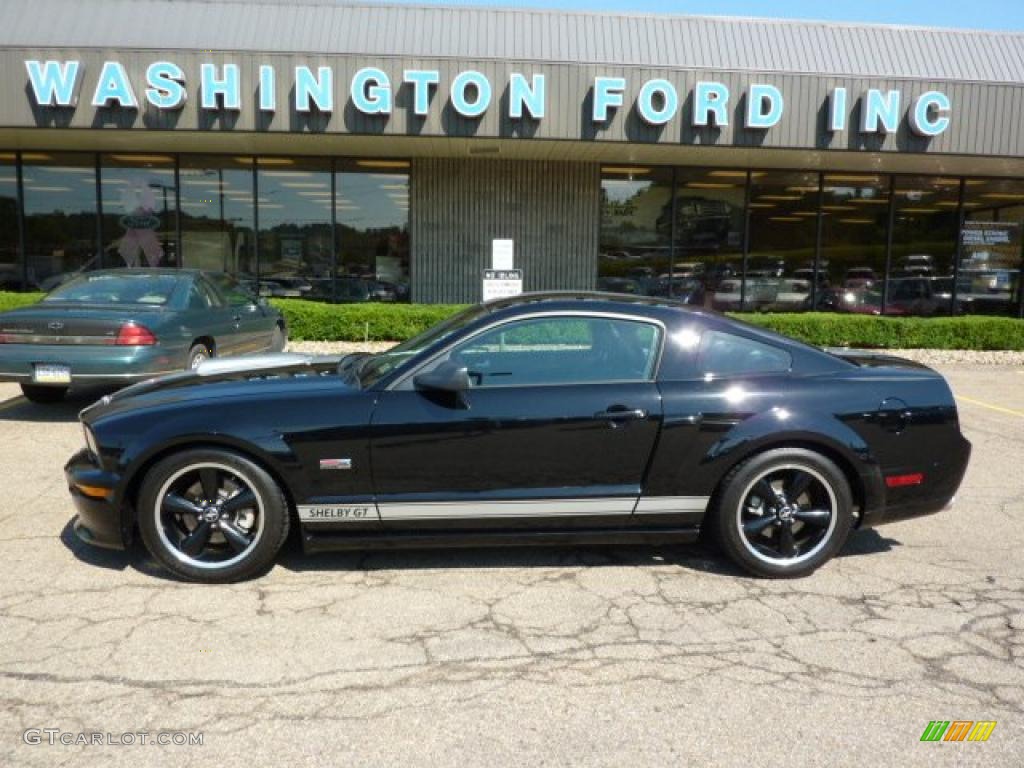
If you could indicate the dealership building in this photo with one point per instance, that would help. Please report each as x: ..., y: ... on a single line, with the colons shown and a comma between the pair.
x: 348, y: 152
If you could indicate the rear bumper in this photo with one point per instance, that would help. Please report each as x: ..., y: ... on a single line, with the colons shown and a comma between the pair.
x: 938, y: 495
x: 99, y: 520
x: 92, y: 364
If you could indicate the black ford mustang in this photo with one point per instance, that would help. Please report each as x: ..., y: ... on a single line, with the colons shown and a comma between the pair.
x: 549, y: 418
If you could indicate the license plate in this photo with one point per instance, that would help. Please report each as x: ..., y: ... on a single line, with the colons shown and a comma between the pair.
x: 51, y: 374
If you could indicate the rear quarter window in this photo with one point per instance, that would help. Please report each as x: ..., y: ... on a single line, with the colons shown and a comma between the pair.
x: 725, y: 354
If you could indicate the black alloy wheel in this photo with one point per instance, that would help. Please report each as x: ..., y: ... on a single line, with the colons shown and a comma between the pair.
x: 784, y: 512
x: 211, y: 515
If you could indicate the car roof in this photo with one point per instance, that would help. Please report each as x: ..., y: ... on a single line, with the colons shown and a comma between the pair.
x: 153, y: 271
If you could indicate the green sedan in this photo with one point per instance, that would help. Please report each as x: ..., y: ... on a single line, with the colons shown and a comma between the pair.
x: 118, y: 326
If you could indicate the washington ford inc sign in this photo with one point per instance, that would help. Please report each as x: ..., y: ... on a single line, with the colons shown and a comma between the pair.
x: 371, y: 90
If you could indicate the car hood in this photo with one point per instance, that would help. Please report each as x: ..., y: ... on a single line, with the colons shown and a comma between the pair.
x: 264, y: 375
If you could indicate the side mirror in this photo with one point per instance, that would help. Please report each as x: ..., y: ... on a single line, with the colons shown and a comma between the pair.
x: 447, y: 377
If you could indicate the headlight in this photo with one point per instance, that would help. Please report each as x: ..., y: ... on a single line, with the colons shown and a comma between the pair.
x: 90, y: 441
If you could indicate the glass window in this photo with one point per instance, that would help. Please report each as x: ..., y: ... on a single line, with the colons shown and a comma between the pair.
x: 372, y: 211
x: 217, y: 215
x: 636, y: 229
x: 855, y: 230
x: 723, y: 354
x: 709, y: 233
x: 10, y: 265
x: 140, y: 213
x: 923, y: 247
x: 561, y: 350
x: 296, y: 241
x: 783, y: 235
x: 989, y: 277
x: 60, y: 216
x: 234, y: 293
x: 154, y: 290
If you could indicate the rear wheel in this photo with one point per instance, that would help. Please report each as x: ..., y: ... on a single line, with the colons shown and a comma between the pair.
x: 784, y: 512
x: 43, y: 394
x: 197, y: 355
x: 212, y: 516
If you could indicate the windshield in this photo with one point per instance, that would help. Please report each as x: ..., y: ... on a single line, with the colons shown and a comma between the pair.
x: 152, y: 290
x: 373, y: 369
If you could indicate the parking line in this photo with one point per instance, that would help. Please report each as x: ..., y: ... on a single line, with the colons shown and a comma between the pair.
x: 11, y: 403
x: 990, y: 406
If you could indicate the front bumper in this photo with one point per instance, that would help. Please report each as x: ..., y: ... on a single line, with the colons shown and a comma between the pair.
x: 90, y: 363
x: 99, y: 521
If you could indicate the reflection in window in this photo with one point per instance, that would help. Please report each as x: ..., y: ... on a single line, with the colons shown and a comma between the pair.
x: 923, y: 247
x: 709, y: 233
x: 60, y: 216
x: 560, y: 350
x: 139, y: 211
x: 636, y: 229
x: 10, y: 264
x: 855, y: 221
x: 989, y: 275
x: 217, y: 215
x: 372, y: 210
x: 296, y: 243
x: 783, y: 234
x: 724, y: 354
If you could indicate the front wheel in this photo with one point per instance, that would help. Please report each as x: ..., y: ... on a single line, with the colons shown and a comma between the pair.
x: 784, y: 512
x: 43, y: 394
x: 212, y: 516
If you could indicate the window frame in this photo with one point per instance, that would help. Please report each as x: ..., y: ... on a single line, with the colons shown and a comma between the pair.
x: 404, y: 381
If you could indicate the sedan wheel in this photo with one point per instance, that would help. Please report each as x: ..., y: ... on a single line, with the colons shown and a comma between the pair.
x: 197, y: 355
x: 784, y: 512
x: 212, y: 516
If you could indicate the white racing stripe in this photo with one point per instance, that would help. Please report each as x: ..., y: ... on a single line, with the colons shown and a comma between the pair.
x: 665, y: 505
x: 456, y: 510
x: 440, y: 510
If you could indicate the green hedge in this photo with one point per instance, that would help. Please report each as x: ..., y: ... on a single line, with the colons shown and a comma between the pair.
x: 872, y: 332
x: 312, y: 321
x: 14, y: 300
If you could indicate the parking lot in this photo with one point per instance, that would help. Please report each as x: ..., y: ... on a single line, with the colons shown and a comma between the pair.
x: 618, y: 656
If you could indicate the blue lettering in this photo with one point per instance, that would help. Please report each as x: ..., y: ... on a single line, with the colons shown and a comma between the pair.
x: 113, y: 85
x: 54, y: 84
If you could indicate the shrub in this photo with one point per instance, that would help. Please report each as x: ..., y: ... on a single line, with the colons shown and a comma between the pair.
x: 313, y: 321
x: 872, y: 332
x: 14, y: 300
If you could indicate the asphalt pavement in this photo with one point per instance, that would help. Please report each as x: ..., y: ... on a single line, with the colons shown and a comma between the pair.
x: 623, y: 656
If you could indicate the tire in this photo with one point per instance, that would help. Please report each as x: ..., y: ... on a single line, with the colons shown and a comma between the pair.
x: 42, y: 394
x: 751, y: 519
x: 196, y: 355
x: 240, y: 539
x: 278, y: 340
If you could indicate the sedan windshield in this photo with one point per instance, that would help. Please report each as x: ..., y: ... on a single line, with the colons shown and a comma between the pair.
x: 152, y: 290
x: 373, y: 369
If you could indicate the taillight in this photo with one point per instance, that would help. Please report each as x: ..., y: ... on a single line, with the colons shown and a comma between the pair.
x: 133, y: 335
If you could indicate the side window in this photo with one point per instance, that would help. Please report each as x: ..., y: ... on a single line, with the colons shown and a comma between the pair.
x: 234, y: 294
x: 561, y: 350
x: 723, y: 354
x: 197, y: 297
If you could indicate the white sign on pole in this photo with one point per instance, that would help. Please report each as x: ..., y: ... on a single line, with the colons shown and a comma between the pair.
x: 502, y: 284
x: 502, y: 254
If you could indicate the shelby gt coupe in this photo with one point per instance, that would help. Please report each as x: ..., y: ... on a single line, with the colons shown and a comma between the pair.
x: 548, y: 418
x: 113, y: 327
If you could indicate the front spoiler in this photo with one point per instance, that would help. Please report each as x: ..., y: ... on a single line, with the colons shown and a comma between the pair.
x: 99, y: 520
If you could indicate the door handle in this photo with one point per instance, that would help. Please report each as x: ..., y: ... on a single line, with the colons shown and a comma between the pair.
x: 621, y: 413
